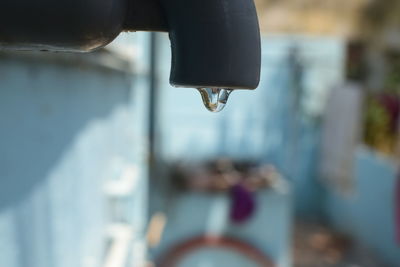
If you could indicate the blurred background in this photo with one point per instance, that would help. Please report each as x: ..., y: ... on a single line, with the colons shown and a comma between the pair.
x: 103, y: 164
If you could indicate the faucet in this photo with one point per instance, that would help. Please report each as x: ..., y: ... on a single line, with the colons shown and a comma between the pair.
x: 214, y: 43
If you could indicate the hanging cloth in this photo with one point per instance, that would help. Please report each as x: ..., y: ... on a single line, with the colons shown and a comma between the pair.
x: 243, y: 204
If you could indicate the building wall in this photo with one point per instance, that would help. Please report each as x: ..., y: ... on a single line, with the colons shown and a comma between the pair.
x: 67, y: 127
x: 326, y: 17
x: 368, y: 212
x: 268, y: 230
x: 277, y: 123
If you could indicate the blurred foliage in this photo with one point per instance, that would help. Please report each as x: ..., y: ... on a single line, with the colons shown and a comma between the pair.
x: 381, y: 122
x: 382, y: 115
x: 392, y: 79
x: 378, y: 134
x: 381, y: 15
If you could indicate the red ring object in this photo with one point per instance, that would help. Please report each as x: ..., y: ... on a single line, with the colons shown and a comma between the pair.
x: 178, y: 252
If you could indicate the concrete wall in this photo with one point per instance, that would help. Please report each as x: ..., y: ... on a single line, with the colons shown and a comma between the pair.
x: 264, y: 124
x: 194, y: 214
x: 67, y: 126
x: 368, y: 213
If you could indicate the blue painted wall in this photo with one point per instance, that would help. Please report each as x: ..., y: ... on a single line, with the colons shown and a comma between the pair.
x: 260, y: 125
x: 268, y: 230
x: 65, y: 120
x: 263, y: 124
x: 368, y: 213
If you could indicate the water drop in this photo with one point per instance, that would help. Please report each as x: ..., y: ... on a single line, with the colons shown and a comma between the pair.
x: 214, y: 99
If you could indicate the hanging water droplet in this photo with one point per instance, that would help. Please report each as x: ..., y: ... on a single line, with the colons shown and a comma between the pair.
x: 214, y: 99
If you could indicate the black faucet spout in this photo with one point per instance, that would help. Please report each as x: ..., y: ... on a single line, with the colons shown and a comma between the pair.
x: 215, y: 43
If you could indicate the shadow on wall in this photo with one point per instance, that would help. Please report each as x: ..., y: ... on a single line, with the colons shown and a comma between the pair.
x: 63, y: 118
x: 43, y: 107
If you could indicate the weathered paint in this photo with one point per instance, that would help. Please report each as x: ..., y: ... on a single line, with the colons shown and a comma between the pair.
x: 65, y: 120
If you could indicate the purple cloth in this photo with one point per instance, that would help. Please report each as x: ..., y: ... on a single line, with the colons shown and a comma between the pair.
x: 242, y: 205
